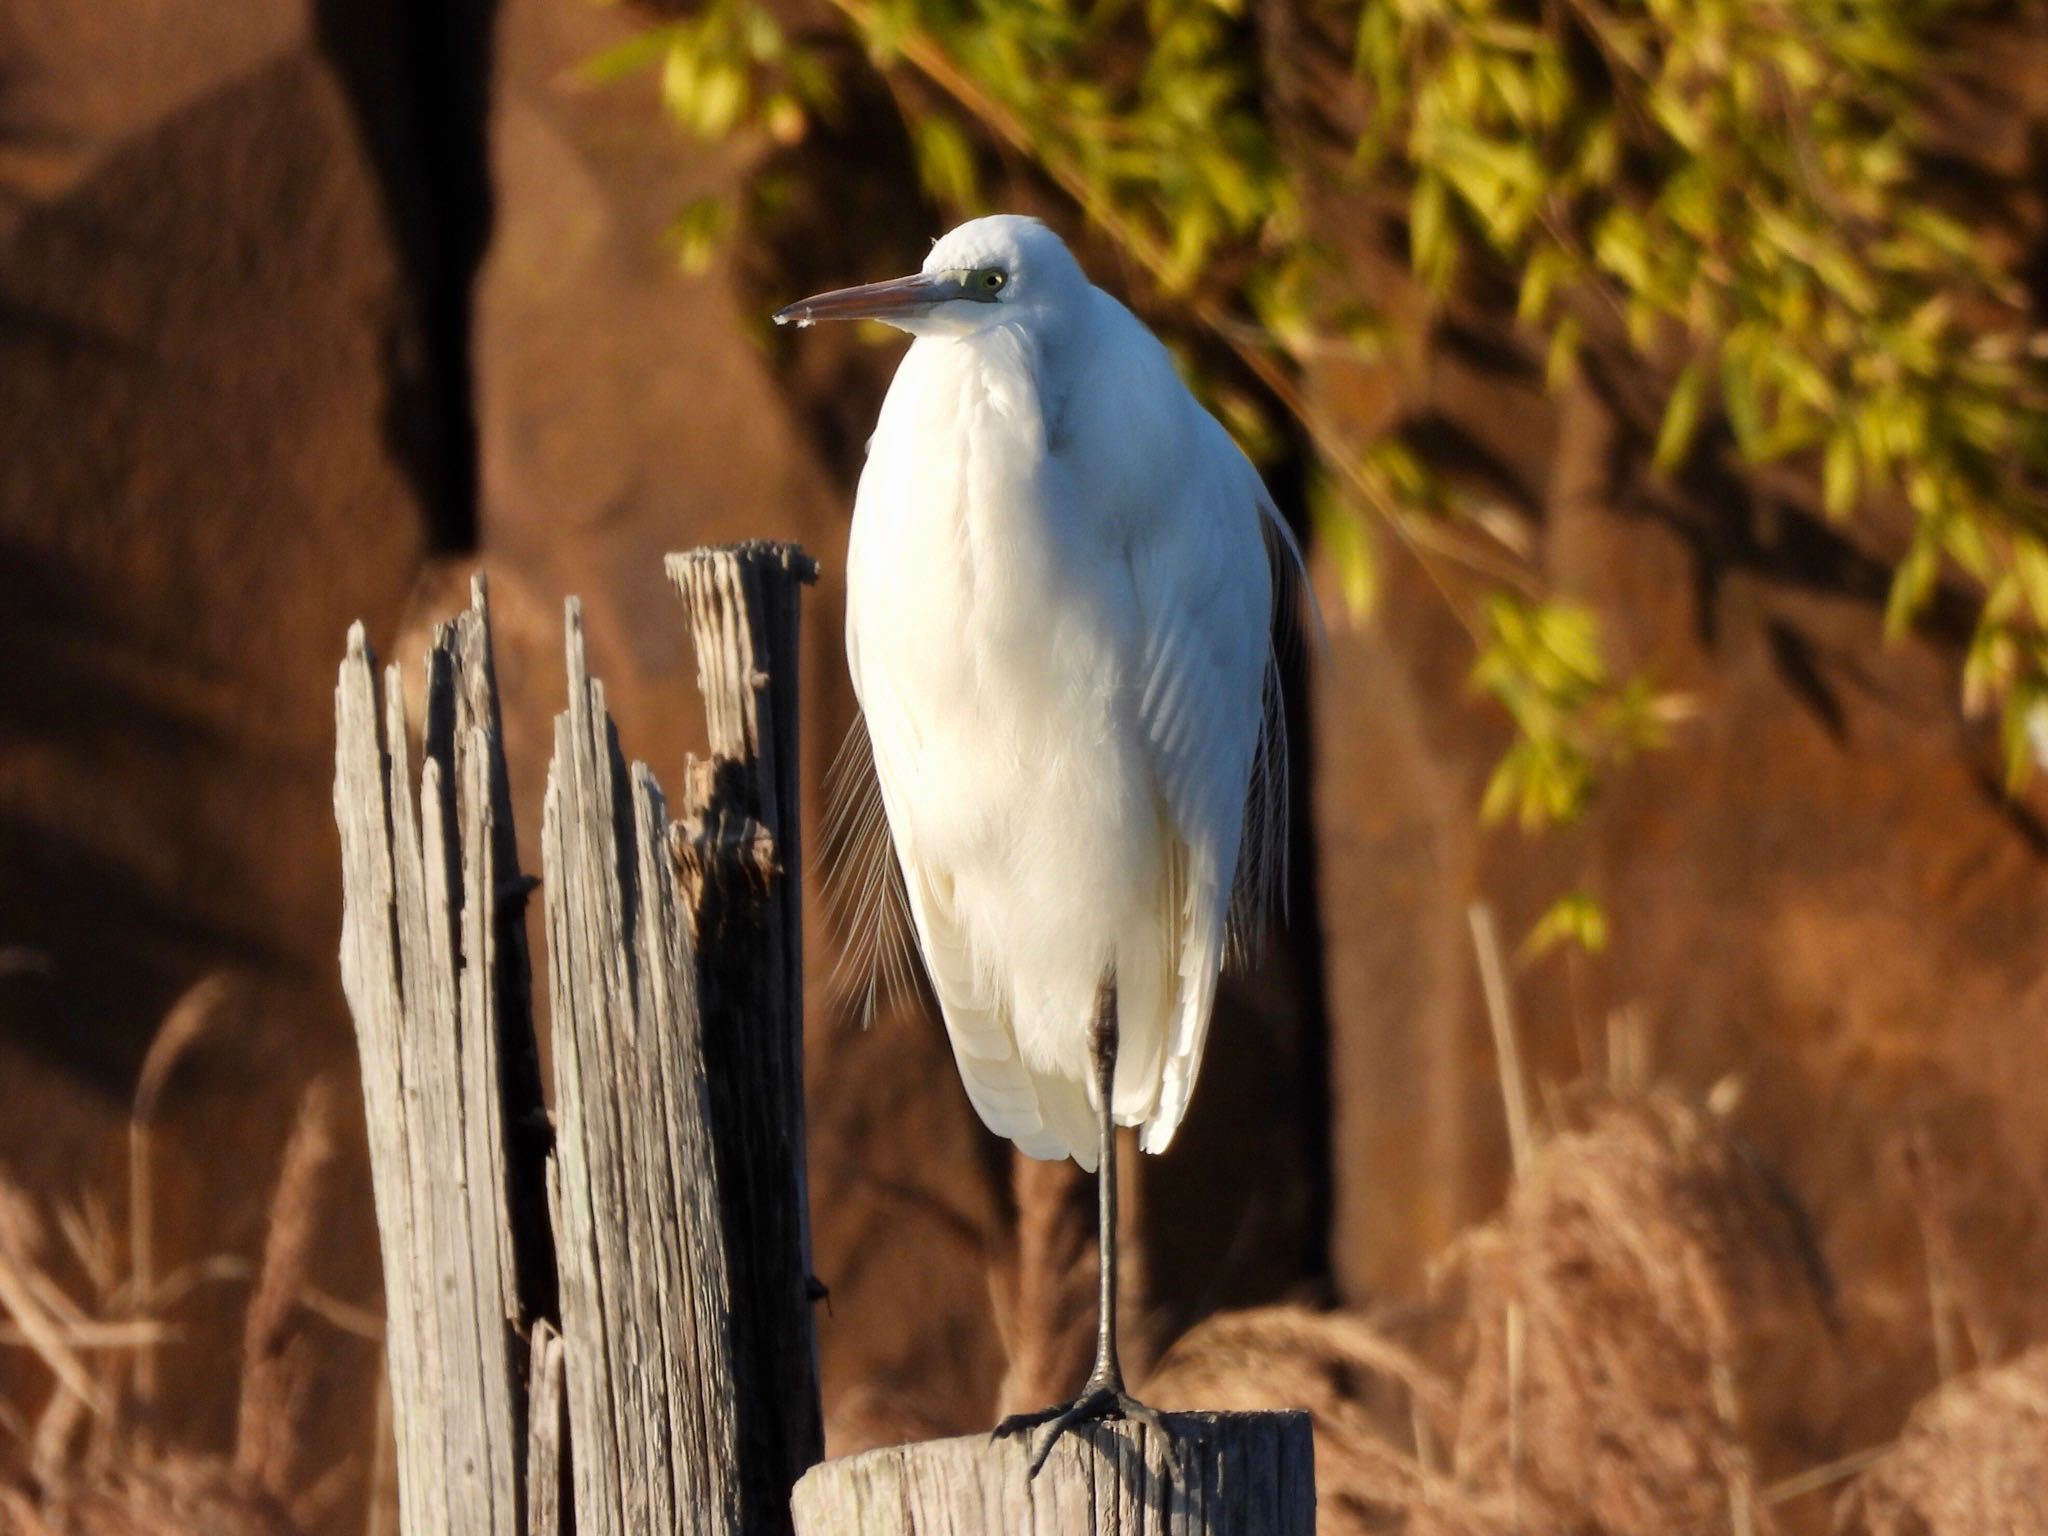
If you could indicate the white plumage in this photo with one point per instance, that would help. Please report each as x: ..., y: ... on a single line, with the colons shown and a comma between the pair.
x: 1059, y: 616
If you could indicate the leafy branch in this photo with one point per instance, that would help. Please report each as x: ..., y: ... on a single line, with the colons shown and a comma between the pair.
x: 1733, y: 194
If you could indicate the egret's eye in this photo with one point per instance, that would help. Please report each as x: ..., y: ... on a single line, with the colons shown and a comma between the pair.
x: 987, y: 282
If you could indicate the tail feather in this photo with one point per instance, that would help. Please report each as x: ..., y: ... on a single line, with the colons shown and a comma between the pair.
x: 1069, y: 1116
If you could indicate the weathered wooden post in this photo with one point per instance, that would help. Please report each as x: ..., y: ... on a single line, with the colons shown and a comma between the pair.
x: 433, y: 959
x: 626, y: 1294
x: 646, y: 1287
x: 742, y: 856
x: 1232, y: 1474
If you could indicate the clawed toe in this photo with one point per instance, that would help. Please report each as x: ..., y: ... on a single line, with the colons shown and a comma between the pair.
x: 1096, y: 1404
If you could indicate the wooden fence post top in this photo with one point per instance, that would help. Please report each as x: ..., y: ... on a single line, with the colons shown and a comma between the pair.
x: 1239, y: 1474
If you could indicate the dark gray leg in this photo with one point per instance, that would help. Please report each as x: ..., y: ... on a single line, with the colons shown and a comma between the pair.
x: 1102, y: 1044
x: 1103, y: 1396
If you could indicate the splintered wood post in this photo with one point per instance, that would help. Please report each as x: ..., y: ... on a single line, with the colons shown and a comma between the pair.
x: 742, y: 858
x: 652, y: 1244
x: 1238, y: 1474
x: 434, y: 963
x: 546, y: 1412
x: 653, y: 1392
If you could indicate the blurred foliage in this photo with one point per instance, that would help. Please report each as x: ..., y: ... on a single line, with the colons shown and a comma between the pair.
x: 1543, y: 663
x: 1744, y: 186
x: 1735, y: 195
x: 1575, y: 918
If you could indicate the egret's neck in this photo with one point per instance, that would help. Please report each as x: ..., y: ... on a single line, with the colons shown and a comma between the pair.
x: 1028, y: 365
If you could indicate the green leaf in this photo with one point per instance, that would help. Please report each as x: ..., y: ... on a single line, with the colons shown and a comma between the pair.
x: 1561, y: 359
x: 694, y: 234
x: 721, y: 98
x: 1431, y: 249
x: 945, y: 162
x: 1838, y: 473
x: 641, y: 51
x: 1574, y: 918
x: 1681, y: 417
x: 1342, y: 532
x: 1546, y: 269
x: 1505, y: 787
x: 1912, y: 584
x: 1741, y: 399
x: 2030, y: 567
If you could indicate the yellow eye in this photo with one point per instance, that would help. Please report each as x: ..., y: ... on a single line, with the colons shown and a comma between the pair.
x: 989, y: 280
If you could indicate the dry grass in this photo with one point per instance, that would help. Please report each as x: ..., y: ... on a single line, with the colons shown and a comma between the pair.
x: 189, y: 1020
x: 161, y: 1496
x: 1617, y: 1312
x: 1971, y: 1461
x: 92, y: 1461
x: 1379, y: 1462
x: 1582, y: 1363
x: 276, y: 1371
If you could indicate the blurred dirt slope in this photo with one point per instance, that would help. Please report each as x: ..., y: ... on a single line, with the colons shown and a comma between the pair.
x: 212, y: 458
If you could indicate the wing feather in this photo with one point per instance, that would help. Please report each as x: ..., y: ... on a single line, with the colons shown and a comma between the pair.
x: 1211, y: 715
x: 865, y: 900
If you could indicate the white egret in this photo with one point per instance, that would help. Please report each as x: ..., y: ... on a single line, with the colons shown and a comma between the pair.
x: 1059, y: 609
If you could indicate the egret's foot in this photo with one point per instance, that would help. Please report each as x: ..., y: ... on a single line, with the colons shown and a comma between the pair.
x: 1099, y: 1400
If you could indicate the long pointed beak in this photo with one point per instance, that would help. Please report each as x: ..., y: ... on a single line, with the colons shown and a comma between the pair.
x: 899, y: 298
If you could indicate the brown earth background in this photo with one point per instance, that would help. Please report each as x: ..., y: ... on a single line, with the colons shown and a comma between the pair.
x: 309, y: 309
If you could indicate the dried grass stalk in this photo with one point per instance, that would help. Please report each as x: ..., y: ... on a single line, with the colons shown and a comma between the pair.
x: 275, y: 1368
x: 56, y: 1331
x: 190, y: 1017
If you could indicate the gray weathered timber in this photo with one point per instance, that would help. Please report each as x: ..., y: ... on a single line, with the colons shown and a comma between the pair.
x: 545, y: 1410
x: 1240, y: 1474
x: 652, y: 1389
x: 741, y: 857
x: 429, y: 878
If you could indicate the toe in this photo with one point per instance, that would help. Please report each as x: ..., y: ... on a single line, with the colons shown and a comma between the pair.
x: 1019, y: 1423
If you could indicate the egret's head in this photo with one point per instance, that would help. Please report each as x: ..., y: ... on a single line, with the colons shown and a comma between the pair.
x: 1002, y: 269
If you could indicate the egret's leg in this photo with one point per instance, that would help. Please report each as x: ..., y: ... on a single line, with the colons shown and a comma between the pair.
x: 1103, y: 1396
x: 1102, y: 1044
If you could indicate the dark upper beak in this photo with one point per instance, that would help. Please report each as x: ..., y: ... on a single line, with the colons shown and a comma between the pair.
x: 899, y: 298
